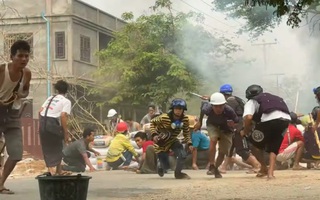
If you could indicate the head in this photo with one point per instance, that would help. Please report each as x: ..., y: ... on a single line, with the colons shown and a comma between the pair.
x: 314, y: 112
x: 112, y: 113
x: 88, y: 134
x: 253, y: 90
x: 218, y: 102
x: 226, y: 89
x: 122, y: 127
x: 62, y: 87
x: 140, y: 138
x: 294, y: 118
x: 151, y: 110
x: 19, y: 53
x: 129, y: 121
x: 316, y: 92
x: 178, y: 106
x: 192, y: 122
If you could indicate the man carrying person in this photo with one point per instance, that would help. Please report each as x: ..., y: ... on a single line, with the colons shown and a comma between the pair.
x: 239, y: 143
x: 164, y: 130
x: 271, y: 117
x: 76, y: 154
x: 14, y: 84
x: 220, y: 125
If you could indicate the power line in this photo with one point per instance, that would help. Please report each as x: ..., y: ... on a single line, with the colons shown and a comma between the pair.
x: 213, y: 28
x: 213, y: 8
x: 264, y: 44
x: 207, y: 14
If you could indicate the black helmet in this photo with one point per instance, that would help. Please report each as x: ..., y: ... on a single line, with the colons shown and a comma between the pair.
x: 314, y: 112
x: 253, y: 90
x: 294, y: 118
x: 178, y: 103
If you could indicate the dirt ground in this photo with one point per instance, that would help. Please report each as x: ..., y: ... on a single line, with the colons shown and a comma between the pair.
x: 237, y: 185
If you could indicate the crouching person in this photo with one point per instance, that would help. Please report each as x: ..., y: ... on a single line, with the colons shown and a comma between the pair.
x: 121, y: 151
x: 164, y: 130
x: 148, y: 161
x: 292, y: 145
x: 76, y: 155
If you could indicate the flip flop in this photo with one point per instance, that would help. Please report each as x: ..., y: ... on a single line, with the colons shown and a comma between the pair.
x: 261, y: 174
x: 6, y: 191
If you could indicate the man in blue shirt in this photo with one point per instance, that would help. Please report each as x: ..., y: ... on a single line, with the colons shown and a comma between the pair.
x: 200, y: 141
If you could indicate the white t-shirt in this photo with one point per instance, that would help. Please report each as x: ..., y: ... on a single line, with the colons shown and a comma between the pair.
x: 58, y: 105
x: 252, y: 106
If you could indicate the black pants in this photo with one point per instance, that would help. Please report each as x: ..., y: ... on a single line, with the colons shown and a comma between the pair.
x: 179, y: 153
x: 269, y: 135
x: 240, y: 145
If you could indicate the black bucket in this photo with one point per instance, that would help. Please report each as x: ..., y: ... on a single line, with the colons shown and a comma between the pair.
x: 63, y: 187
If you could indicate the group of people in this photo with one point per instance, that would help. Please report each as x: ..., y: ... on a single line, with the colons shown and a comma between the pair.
x: 263, y: 123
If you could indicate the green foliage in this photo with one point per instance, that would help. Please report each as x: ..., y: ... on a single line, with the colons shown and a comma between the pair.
x: 155, y: 57
x: 264, y: 15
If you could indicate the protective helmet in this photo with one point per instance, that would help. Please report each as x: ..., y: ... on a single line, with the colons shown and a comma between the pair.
x: 111, y: 113
x: 316, y: 90
x: 178, y: 103
x: 314, y: 112
x: 122, y: 127
x: 294, y: 118
x: 226, y: 89
x: 217, y: 98
x: 253, y: 90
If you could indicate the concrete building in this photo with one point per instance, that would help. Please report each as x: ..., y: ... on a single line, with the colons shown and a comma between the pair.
x: 76, y: 32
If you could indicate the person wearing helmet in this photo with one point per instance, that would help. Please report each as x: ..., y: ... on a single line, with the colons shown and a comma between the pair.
x: 120, y: 151
x: 292, y: 145
x: 220, y: 125
x: 165, y: 130
x: 270, y: 114
x: 114, y: 119
x: 239, y: 144
x: 316, y: 92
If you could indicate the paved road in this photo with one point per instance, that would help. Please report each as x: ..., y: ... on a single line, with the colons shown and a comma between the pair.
x: 234, y: 185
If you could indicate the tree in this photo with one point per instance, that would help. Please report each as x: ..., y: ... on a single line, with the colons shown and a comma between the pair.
x: 264, y: 15
x: 154, y: 57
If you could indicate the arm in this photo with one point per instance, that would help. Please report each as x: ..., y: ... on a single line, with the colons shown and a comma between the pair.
x: 249, y: 109
x: 127, y: 144
x: 317, y: 122
x: 87, y: 161
x: 153, y: 126
x: 26, y: 85
x: 93, y: 151
x: 186, y: 131
x: 64, y: 121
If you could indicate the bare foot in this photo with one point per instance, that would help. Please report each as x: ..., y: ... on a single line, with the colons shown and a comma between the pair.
x: 222, y: 170
x: 195, y: 167
x: 271, y: 178
x: 298, y: 167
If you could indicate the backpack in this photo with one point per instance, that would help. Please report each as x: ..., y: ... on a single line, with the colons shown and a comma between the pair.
x: 239, y: 108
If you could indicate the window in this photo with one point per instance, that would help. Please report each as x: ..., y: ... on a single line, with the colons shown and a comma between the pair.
x: 9, y: 39
x: 84, y: 48
x: 60, y: 45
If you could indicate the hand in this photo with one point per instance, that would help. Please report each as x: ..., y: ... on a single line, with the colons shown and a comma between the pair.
x: 97, y: 153
x: 197, y: 126
x: 155, y: 139
x: 242, y: 133
x: 230, y: 123
x: 92, y: 169
x: 205, y: 97
x: 191, y: 148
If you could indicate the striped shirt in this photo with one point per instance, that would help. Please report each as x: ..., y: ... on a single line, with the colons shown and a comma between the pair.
x: 162, y: 125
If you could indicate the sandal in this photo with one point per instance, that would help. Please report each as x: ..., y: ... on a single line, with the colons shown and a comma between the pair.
x: 261, y: 174
x: 6, y: 191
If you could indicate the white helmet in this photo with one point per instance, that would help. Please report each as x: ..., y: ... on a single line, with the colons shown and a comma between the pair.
x: 217, y: 98
x: 111, y: 113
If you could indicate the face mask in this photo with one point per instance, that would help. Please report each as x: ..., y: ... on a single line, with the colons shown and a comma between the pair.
x: 177, y: 124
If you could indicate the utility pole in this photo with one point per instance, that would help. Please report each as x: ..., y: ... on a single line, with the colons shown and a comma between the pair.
x: 265, y: 44
x: 277, y: 75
